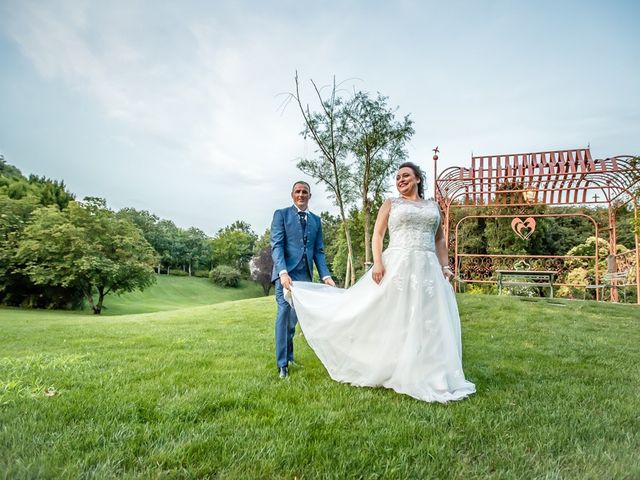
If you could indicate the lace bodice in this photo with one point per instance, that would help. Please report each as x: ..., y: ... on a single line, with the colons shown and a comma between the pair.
x: 413, y: 225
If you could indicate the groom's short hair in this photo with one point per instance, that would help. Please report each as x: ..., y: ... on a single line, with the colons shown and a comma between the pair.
x: 303, y: 183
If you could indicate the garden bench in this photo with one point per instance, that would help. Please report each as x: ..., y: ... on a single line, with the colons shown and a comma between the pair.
x: 528, y: 278
x: 611, y: 280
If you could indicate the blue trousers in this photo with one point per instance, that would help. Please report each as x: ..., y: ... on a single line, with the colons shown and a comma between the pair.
x: 286, y: 318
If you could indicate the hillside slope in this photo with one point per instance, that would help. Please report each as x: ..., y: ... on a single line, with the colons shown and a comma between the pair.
x: 172, y: 292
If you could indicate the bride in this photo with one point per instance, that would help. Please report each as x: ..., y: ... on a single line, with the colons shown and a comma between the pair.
x: 398, y: 326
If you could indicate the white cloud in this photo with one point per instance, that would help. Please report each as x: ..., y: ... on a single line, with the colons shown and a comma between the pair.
x: 192, y: 89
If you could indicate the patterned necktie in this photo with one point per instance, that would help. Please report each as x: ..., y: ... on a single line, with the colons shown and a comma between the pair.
x: 303, y: 221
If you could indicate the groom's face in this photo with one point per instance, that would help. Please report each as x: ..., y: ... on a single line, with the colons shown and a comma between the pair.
x: 301, y: 195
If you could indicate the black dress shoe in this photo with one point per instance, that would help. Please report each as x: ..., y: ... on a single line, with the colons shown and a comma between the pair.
x: 283, y: 372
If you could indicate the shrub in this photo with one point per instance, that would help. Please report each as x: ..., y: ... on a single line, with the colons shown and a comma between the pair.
x: 225, y: 276
x: 178, y: 273
x: 479, y: 288
x: 578, y: 276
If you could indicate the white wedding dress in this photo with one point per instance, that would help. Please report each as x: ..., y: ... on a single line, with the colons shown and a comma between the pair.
x: 402, y: 334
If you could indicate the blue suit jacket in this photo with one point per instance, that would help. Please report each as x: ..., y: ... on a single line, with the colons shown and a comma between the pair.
x: 287, y: 243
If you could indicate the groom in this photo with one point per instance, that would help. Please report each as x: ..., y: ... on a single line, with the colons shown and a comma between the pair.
x: 296, y: 244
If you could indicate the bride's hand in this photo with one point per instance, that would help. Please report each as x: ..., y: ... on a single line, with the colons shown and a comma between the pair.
x: 448, y: 273
x: 377, y: 272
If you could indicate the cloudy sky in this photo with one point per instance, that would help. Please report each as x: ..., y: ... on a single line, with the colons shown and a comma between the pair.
x: 176, y: 107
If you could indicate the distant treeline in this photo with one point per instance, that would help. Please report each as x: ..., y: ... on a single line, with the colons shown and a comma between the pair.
x: 58, y: 252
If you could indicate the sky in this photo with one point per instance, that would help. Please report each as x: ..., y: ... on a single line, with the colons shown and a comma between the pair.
x: 179, y: 108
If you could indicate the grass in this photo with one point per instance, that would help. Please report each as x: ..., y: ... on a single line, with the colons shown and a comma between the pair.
x: 193, y: 393
x: 172, y: 292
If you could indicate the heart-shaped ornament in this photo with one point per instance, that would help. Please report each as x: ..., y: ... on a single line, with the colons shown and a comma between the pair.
x: 524, y: 229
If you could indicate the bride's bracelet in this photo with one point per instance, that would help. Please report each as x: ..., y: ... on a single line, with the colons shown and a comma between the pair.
x: 447, y: 267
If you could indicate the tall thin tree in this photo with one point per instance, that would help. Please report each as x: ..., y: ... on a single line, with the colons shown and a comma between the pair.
x: 327, y: 129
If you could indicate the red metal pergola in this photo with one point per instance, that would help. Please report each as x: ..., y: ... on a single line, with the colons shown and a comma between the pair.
x: 553, y: 178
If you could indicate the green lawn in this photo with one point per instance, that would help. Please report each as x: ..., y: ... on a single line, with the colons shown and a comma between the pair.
x: 172, y: 292
x: 193, y: 393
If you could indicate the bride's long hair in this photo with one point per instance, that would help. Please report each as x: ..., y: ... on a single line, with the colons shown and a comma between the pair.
x: 418, y: 173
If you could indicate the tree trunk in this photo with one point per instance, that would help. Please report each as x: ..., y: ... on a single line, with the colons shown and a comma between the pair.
x: 367, y: 233
x: 98, y: 307
x: 168, y: 269
x: 189, y: 268
x: 88, y: 294
x: 347, y: 274
x: 366, y: 206
x: 350, y: 276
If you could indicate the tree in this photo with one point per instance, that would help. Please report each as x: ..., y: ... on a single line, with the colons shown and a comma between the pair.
x: 196, y: 246
x: 88, y: 247
x: 144, y: 220
x: 51, y: 192
x: 14, y: 215
x: 328, y: 129
x: 167, y: 244
x: 377, y: 140
x: 265, y: 240
x: 233, y: 245
x: 7, y: 170
x: 19, y: 198
x: 261, y: 264
x: 333, y: 238
x: 261, y: 268
x: 339, y: 250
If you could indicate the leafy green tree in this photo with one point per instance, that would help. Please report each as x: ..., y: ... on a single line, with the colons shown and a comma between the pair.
x: 17, y: 190
x: 187, y: 249
x: 360, y: 143
x: 264, y: 240
x: 196, y: 248
x: 9, y: 171
x: 625, y: 231
x: 14, y: 287
x: 144, y: 220
x: 167, y: 244
x: 377, y: 141
x: 233, y: 245
x: 19, y: 198
x: 241, y: 226
x: 51, y: 192
x: 44, y: 190
x: 332, y: 231
x: 88, y: 247
x: 339, y: 249
x: 336, y: 251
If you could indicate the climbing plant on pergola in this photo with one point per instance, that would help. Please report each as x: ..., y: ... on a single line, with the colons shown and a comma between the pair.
x: 519, y: 182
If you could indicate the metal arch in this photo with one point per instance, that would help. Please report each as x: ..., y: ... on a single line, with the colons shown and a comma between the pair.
x: 562, y: 177
x: 559, y: 177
